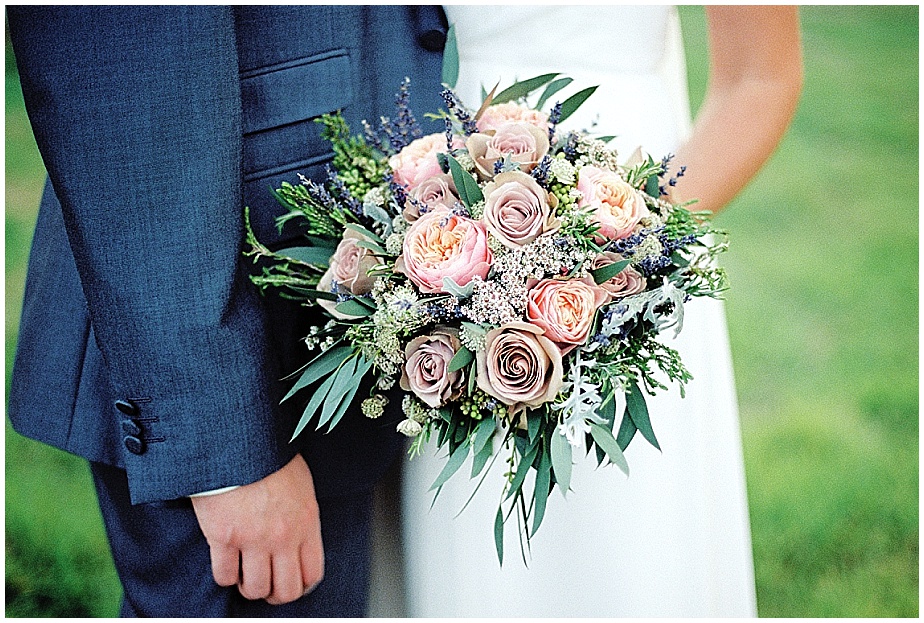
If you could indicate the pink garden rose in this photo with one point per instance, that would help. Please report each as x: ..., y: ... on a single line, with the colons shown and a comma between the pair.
x: 441, y: 244
x: 433, y: 192
x: 495, y: 116
x: 417, y: 162
x: 519, y: 366
x: 628, y: 282
x: 517, y: 209
x: 349, y: 268
x: 523, y: 142
x: 618, y: 207
x: 426, y: 368
x: 565, y: 308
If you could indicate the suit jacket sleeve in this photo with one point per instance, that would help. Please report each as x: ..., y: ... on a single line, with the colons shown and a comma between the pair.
x: 136, y: 112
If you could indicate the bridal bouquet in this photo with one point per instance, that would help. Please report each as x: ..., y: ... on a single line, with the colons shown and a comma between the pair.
x: 510, y: 278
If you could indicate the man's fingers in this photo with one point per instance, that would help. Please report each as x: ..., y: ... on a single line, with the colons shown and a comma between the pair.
x: 312, y: 555
x: 255, y: 574
x: 287, y: 578
x: 226, y: 564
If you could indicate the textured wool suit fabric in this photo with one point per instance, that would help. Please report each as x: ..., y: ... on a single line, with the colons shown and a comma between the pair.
x: 157, y: 125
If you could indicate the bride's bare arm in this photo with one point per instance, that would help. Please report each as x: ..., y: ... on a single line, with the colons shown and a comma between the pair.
x: 754, y: 84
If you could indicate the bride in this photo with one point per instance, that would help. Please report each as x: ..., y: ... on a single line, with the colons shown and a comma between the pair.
x: 673, y: 538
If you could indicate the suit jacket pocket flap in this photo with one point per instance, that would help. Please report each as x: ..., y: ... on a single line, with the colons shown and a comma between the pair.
x: 295, y: 91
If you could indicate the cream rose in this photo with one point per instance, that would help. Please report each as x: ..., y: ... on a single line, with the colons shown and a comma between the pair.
x: 517, y: 209
x: 349, y: 268
x: 499, y: 114
x: 426, y: 368
x: 524, y: 143
x: 628, y: 282
x: 441, y: 244
x: 565, y: 308
x: 618, y: 207
x: 519, y: 366
x: 433, y: 192
x: 417, y: 162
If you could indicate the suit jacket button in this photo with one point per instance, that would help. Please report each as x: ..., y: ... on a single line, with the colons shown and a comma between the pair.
x: 133, y: 444
x: 127, y: 407
x: 131, y: 427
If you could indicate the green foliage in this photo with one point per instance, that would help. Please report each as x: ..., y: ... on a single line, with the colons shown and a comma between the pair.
x: 357, y: 164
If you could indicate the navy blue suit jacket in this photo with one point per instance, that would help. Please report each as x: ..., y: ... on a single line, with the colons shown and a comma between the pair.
x: 142, y: 343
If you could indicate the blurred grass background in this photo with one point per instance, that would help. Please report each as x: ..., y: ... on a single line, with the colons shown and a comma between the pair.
x: 823, y: 318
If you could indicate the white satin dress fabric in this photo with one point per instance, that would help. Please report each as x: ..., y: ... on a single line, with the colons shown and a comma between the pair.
x: 673, y: 538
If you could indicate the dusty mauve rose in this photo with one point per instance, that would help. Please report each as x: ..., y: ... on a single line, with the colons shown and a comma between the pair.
x: 441, y: 244
x: 499, y: 114
x: 426, y: 368
x: 565, y: 308
x: 519, y: 366
x: 433, y: 192
x: 417, y: 162
x: 617, y: 206
x: 349, y: 267
x: 628, y: 282
x: 517, y: 209
x: 523, y: 142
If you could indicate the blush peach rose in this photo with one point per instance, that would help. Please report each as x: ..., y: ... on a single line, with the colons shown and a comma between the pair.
x: 524, y: 143
x: 517, y: 209
x: 495, y: 116
x: 349, y: 268
x: 417, y: 162
x: 426, y: 368
x: 519, y: 366
x: 441, y: 244
x: 628, y: 282
x: 433, y: 192
x: 565, y: 308
x: 618, y: 207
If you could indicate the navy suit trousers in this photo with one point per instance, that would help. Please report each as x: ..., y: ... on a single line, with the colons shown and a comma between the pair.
x: 163, y: 559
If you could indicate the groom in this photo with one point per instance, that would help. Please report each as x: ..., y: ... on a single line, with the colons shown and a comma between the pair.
x: 143, y: 347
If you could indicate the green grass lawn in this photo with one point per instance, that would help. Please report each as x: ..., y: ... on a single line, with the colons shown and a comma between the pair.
x: 822, y: 318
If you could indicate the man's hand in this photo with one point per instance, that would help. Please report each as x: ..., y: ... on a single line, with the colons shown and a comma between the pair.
x: 266, y: 536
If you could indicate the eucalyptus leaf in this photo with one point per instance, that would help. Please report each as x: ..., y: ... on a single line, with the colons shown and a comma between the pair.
x: 605, y: 440
x: 626, y: 431
x: 606, y: 139
x: 533, y: 423
x: 570, y: 105
x: 343, y: 379
x: 553, y: 88
x: 313, y: 405
x: 605, y: 273
x: 466, y: 185
x: 523, y: 88
x: 462, y: 358
x: 450, y: 59
x: 541, y: 490
x: 481, y: 459
x: 455, y: 461
x: 499, y: 534
x: 318, y: 294
x: 321, y: 365
x: 638, y: 410
x: 323, y: 241
x: 361, y: 371
x: 483, y: 433
x: 561, y: 461
x: 352, y: 307
x: 319, y: 256
x: 365, y: 232
x: 522, y: 469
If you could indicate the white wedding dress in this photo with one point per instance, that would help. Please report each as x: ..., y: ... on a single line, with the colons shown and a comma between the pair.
x: 673, y: 538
